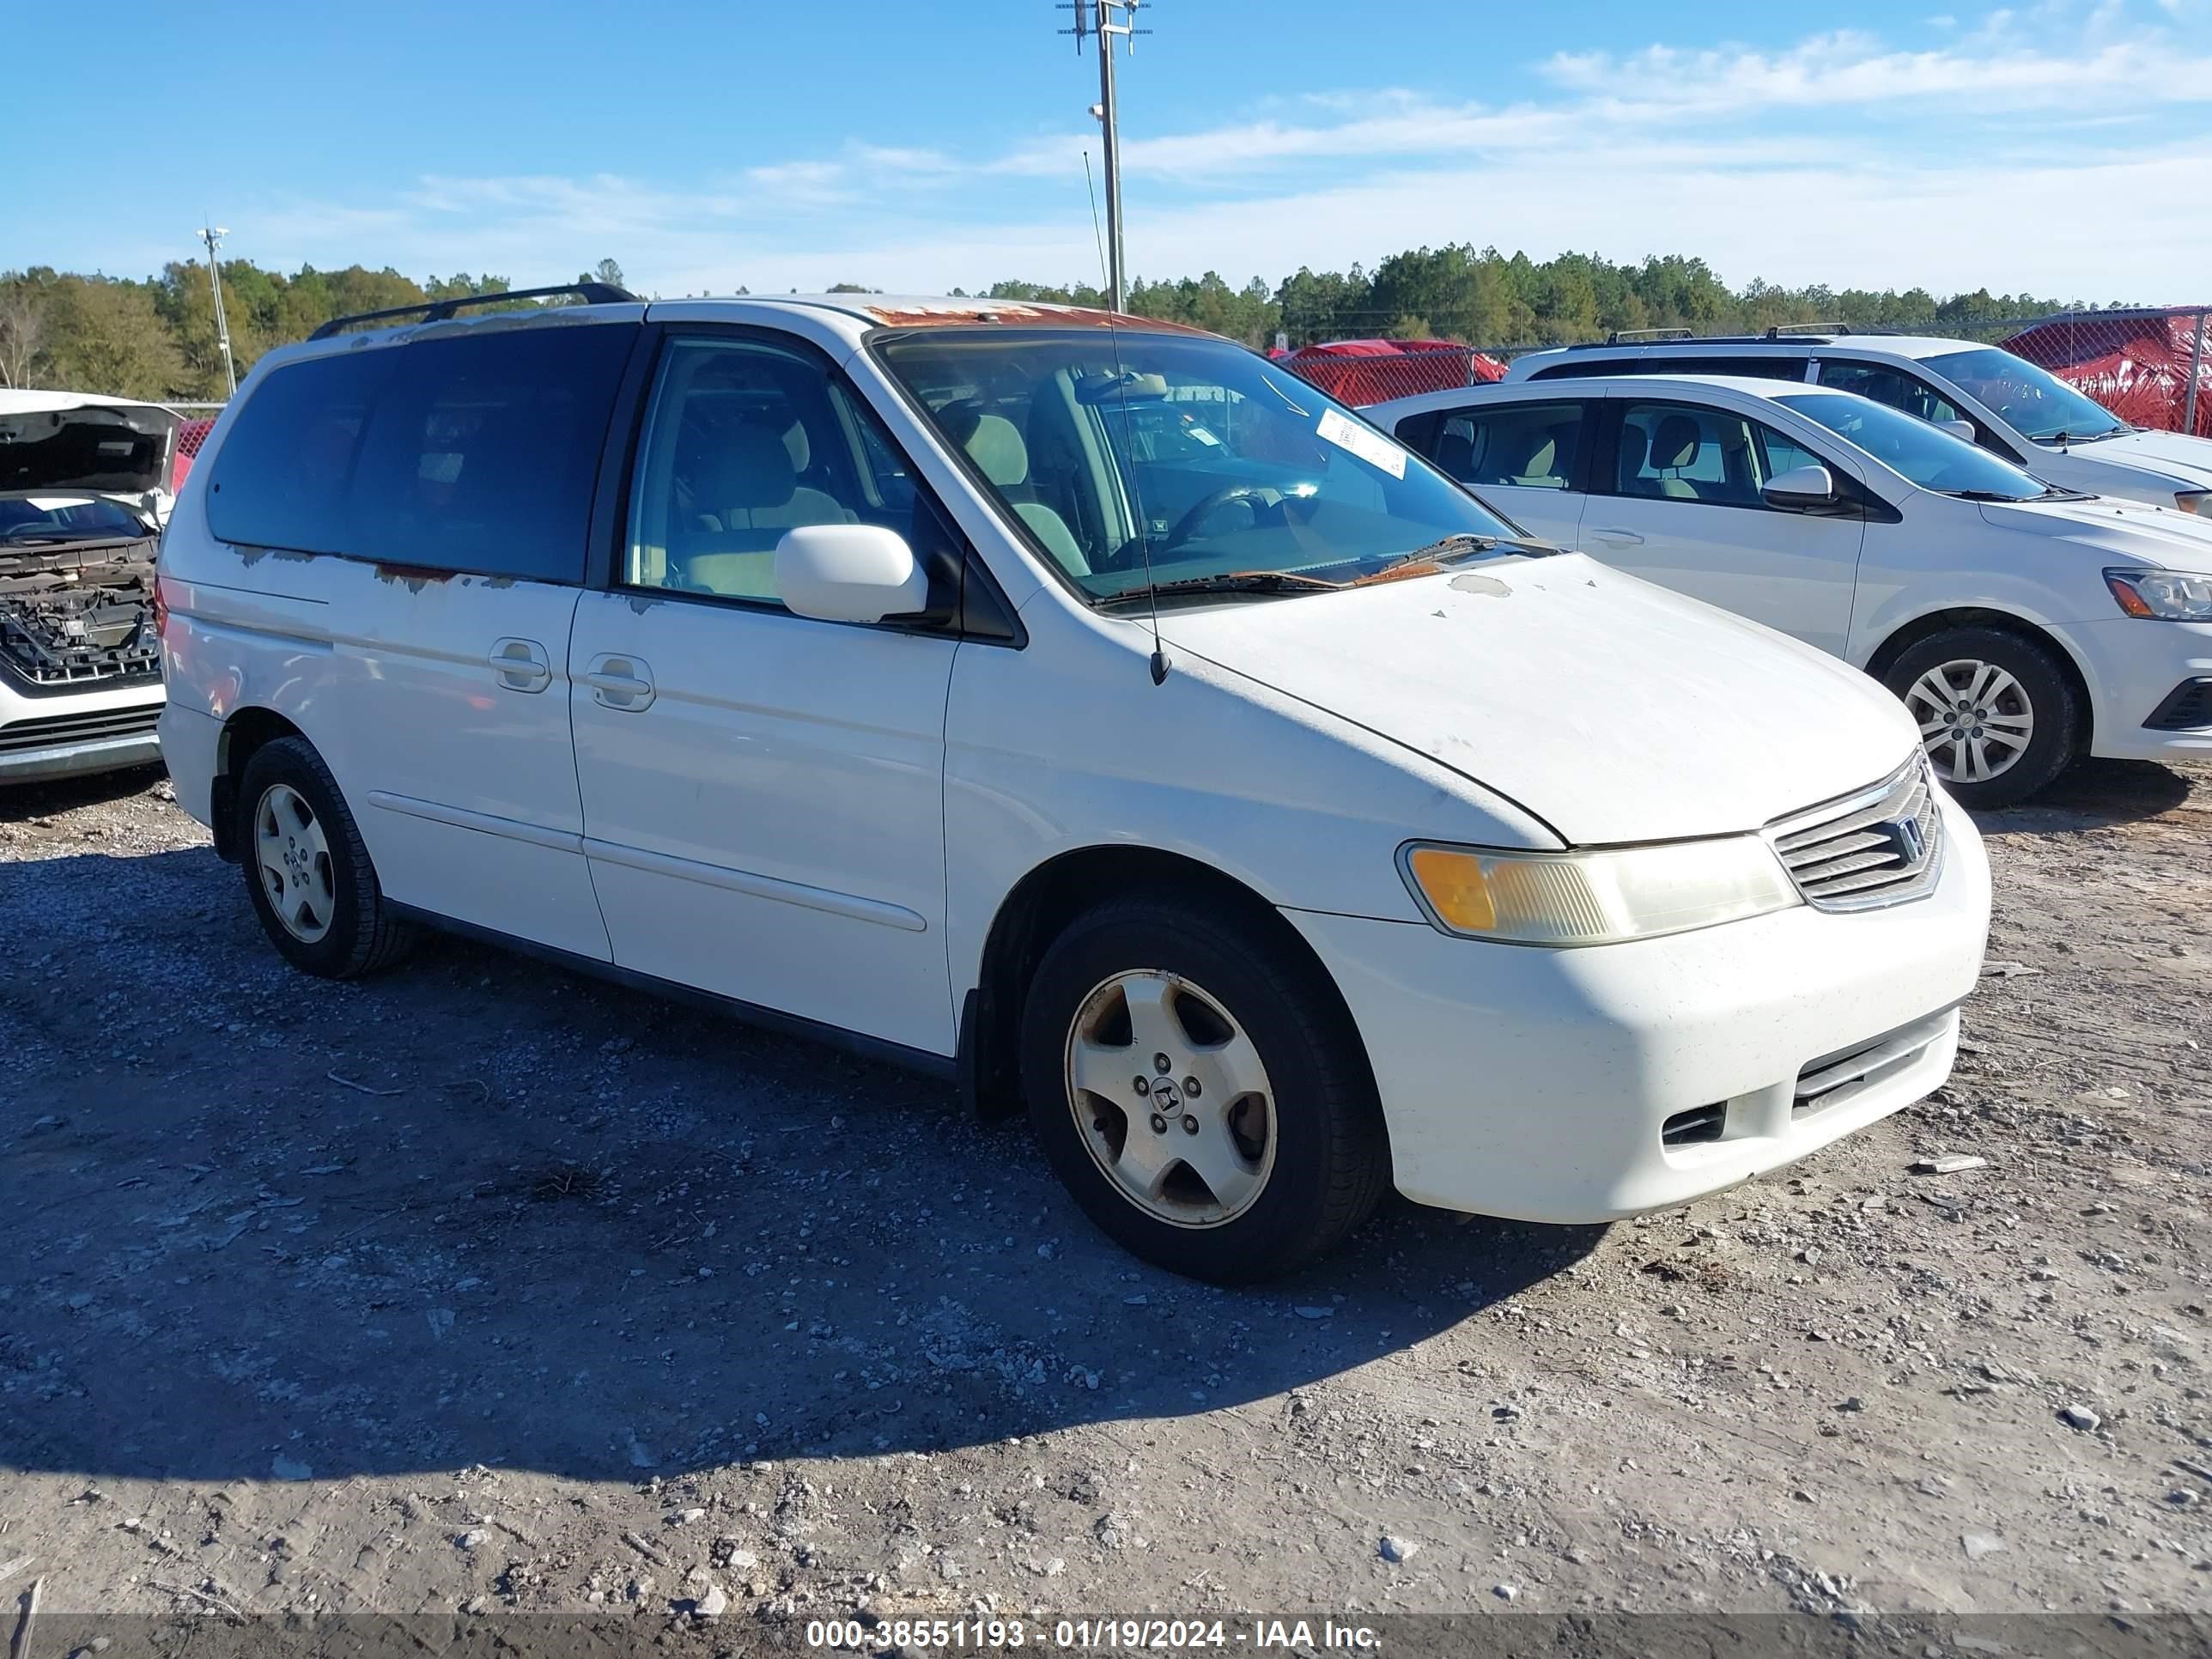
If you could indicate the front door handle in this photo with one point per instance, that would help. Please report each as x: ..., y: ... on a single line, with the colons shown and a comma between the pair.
x: 520, y: 665
x: 1618, y: 538
x: 623, y: 684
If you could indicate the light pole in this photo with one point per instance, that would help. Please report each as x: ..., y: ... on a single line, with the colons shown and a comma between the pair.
x: 1108, y: 19
x: 212, y: 235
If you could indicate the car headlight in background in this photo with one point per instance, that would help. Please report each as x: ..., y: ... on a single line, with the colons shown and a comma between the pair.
x: 1601, y: 897
x: 2166, y: 595
x: 2198, y: 502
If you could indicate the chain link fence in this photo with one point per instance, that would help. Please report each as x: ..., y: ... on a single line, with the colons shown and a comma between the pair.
x: 2150, y: 366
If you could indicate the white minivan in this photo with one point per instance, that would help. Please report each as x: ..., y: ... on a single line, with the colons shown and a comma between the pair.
x: 1078, y: 708
x: 2021, y: 624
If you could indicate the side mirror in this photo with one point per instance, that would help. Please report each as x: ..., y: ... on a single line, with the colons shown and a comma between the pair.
x: 854, y: 573
x: 1960, y: 430
x: 1801, y: 489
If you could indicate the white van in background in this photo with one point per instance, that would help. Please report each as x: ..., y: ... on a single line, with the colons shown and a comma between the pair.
x: 2021, y: 624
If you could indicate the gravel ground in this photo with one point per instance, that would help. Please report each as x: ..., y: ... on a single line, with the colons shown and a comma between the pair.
x: 481, y: 1287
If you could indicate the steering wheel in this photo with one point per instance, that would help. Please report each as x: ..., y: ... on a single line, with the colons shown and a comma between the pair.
x: 1186, y: 525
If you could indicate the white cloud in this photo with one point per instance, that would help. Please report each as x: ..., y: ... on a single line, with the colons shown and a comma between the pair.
x: 2060, y: 150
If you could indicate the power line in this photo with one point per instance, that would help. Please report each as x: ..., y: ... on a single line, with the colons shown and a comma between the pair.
x: 1109, y: 20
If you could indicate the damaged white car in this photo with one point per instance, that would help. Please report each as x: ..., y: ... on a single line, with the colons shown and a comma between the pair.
x: 83, y: 488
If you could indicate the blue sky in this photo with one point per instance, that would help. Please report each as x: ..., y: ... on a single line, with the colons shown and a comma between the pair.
x: 2064, y: 149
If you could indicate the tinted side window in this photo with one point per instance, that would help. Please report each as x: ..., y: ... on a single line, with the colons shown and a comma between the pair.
x: 1765, y: 367
x: 1527, y: 446
x: 282, y: 476
x: 477, y: 452
x: 1890, y: 386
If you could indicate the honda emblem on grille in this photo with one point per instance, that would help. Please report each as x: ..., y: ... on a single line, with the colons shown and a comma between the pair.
x: 1908, y: 838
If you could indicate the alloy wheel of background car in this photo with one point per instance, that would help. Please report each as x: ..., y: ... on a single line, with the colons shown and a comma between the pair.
x: 308, y: 871
x: 1288, y: 1152
x: 1170, y: 1098
x: 1998, y: 714
x: 1974, y: 717
x: 295, y: 861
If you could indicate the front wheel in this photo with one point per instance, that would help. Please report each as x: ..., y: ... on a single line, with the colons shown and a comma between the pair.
x: 1200, y: 1090
x: 1998, y: 714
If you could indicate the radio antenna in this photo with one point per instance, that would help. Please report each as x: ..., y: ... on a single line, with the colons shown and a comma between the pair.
x: 1128, y: 443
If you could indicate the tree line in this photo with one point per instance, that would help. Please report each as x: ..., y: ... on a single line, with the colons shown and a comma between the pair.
x: 155, y: 337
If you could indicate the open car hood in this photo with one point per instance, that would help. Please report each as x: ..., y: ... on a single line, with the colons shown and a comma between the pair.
x: 62, y: 441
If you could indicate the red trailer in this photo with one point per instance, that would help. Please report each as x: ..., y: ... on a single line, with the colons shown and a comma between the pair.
x: 2135, y: 364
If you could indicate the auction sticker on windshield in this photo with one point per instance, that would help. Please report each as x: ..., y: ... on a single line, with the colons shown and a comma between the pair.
x: 1370, y: 445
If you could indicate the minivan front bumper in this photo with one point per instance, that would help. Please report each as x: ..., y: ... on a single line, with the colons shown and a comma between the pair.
x: 1538, y: 1084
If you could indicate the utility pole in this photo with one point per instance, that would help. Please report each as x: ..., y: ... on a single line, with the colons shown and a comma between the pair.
x: 1109, y: 20
x: 212, y: 235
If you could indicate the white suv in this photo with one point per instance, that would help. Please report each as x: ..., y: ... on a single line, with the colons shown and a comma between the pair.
x: 2009, y: 406
x: 801, y: 653
x: 2021, y: 624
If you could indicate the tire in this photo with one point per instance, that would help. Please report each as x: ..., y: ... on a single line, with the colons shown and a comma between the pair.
x: 2012, y: 685
x: 339, y: 926
x: 1300, y: 1161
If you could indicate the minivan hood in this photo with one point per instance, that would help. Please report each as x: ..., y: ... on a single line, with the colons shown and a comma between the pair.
x: 2163, y: 535
x: 1613, y: 710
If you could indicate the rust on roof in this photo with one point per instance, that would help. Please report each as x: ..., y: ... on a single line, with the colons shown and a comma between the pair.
x: 946, y: 313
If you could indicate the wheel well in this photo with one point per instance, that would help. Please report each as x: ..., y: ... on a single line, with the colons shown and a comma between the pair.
x: 1943, y: 621
x: 243, y: 734
x: 1053, y: 895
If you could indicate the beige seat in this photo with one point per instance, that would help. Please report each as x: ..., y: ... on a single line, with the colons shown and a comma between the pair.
x: 995, y: 445
x: 1674, y: 447
x: 745, y: 495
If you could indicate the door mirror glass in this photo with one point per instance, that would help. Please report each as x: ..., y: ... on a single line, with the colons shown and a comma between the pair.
x: 1800, y: 489
x: 853, y: 573
x: 1960, y: 430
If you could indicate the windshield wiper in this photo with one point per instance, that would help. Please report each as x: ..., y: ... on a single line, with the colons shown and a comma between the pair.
x: 1987, y: 495
x: 2082, y: 437
x: 1233, y: 581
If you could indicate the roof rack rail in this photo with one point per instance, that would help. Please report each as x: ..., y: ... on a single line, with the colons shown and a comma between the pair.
x: 1624, y: 336
x: 436, y: 311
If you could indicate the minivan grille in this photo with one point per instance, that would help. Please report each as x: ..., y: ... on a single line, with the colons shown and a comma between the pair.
x: 1881, y: 846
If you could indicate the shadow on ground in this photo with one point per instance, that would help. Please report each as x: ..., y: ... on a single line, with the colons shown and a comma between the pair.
x: 482, y: 1210
x: 2095, y: 794
x: 22, y: 802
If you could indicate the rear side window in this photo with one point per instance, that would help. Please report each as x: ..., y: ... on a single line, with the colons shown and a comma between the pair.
x: 1530, y: 445
x: 1762, y: 367
x: 471, y: 453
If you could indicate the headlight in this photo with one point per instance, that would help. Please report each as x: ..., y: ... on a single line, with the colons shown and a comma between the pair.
x: 2195, y: 501
x: 1598, y: 898
x: 2168, y: 595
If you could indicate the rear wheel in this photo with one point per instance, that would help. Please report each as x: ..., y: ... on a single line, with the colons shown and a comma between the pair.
x: 306, y: 868
x: 1201, y: 1092
x: 1996, y: 712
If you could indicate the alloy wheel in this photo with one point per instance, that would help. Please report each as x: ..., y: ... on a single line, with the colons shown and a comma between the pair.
x: 295, y: 861
x: 1975, y: 720
x: 1170, y: 1098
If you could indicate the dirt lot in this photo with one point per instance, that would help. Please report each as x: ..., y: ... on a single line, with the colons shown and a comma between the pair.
x: 480, y: 1285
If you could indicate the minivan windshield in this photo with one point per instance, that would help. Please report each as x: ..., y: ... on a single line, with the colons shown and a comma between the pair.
x: 2035, y: 402
x: 1225, y: 473
x: 1927, y: 455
